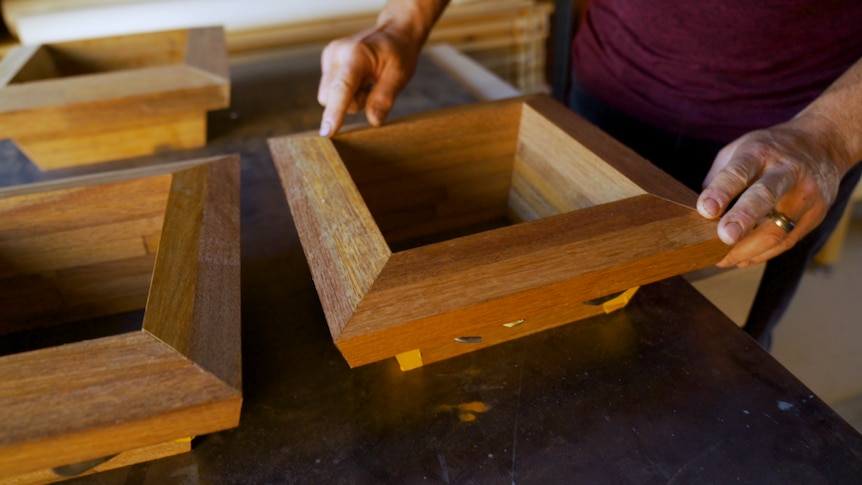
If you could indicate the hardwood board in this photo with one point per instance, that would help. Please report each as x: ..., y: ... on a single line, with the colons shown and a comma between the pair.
x: 110, y: 100
x: 205, y: 50
x: 555, y: 168
x: 433, y: 294
x: 417, y: 159
x: 91, y: 56
x: 344, y: 248
x: 78, y: 247
x: 124, y: 392
x: 197, y: 310
x: 40, y: 300
x: 152, y: 134
x: 633, y: 167
x: 38, y: 210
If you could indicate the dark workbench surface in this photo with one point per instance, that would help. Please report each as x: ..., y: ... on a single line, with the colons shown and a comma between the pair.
x: 667, y: 390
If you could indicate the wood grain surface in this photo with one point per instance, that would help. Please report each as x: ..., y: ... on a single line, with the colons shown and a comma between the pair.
x: 178, y: 375
x: 495, y: 212
x: 112, y: 98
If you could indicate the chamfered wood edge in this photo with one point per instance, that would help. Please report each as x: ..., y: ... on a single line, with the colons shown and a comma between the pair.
x: 406, y: 313
x: 96, y: 398
x: 344, y: 247
x: 634, y: 167
x: 162, y: 88
x: 194, y: 299
x: 515, y: 103
x: 206, y: 49
x: 101, y: 177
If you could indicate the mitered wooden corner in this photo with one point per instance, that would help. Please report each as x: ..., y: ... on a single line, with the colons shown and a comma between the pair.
x: 163, y: 240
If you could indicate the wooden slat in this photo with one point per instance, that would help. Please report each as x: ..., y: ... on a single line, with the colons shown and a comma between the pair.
x: 92, y: 56
x: 67, y: 103
x: 78, y: 247
x: 342, y: 243
x: 196, y: 310
x: 555, y: 173
x: 96, y: 398
x: 435, y: 293
x: 38, y: 210
x: 42, y: 300
x: 130, y: 137
x: 625, y: 161
x: 77, y: 252
x: 205, y: 49
x: 418, y: 179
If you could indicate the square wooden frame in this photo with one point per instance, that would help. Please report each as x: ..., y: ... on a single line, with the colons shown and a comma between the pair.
x: 598, y: 220
x: 89, y: 101
x: 180, y: 375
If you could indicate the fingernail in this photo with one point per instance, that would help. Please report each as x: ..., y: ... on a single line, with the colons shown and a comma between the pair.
x: 711, y: 207
x: 378, y: 117
x: 731, y: 233
x: 325, y: 128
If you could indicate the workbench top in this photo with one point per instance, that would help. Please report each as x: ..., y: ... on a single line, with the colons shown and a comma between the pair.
x: 667, y: 390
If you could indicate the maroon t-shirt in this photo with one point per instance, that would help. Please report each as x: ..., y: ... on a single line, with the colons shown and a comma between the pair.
x: 715, y: 69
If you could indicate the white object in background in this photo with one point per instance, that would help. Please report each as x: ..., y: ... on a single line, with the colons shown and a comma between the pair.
x: 41, y: 22
x: 481, y: 82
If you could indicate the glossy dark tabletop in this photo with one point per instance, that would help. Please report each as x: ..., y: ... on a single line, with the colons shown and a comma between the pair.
x: 667, y: 390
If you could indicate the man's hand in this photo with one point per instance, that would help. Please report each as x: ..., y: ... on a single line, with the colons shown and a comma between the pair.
x: 366, y: 70
x: 782, y: 170
x: 369, y: 69
x: 791, y: 170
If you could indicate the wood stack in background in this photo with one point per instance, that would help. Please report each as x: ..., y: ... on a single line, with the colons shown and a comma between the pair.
x: 506, y: 36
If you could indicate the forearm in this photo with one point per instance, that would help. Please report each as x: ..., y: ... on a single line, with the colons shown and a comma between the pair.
x: 414, y: 19
x: 836, y: 118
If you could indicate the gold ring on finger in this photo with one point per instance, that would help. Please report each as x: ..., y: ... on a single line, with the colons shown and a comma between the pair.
x: 781, y: 221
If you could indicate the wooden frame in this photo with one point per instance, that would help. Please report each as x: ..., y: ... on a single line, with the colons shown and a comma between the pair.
x: 162, y: 238
x: 82, y: 102
x: 411, y: 233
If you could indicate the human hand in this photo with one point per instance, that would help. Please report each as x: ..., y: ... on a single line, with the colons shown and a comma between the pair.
x: 785, y: 169
x: 367, y: 70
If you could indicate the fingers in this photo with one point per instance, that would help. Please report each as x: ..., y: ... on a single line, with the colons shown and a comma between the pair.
x: 382, y: 97
x: 366, y: 70
x: 746, y: 225
x: 754, y: 204
x: 771, y: 171
x: 341, y: 94
x: 766, y: 240
x: 758, y: 183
